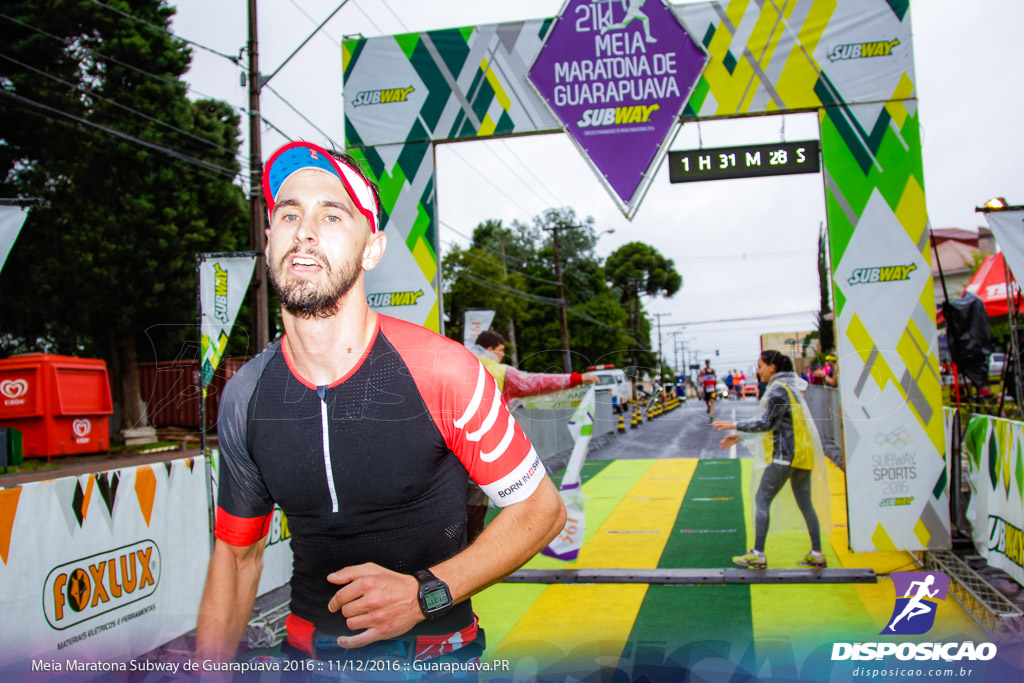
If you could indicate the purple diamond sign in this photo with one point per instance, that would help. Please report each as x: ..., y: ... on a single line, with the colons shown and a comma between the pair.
x: 617, y: 74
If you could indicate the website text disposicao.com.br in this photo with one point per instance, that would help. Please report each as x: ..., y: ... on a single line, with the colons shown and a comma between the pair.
x: 944, y: 659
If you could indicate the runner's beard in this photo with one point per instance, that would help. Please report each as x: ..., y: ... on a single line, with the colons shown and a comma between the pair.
x: 307, y: 299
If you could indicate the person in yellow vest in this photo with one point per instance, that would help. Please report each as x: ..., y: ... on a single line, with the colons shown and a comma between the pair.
x: 513, y: 383
x: 785, y: 433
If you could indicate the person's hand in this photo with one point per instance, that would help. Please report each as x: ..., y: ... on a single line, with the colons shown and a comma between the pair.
x: 721, y: 425
x: 729, y: 440
x: 589, y: 378
x: 383, y: 602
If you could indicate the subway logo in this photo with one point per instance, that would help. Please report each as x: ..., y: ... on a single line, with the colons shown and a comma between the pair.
x: 861, y: 276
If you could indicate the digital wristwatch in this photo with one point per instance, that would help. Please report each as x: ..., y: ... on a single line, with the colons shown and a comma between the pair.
x: 434, y: 596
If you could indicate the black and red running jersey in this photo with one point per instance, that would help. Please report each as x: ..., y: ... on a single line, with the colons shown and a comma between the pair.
x: 371, y: 468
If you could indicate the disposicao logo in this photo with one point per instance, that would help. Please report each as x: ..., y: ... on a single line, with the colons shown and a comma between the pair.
x: 914, y: 613
x: 385, y: 96
x: 874, y: 48
x: 862, y: 276
x: 917, y: 599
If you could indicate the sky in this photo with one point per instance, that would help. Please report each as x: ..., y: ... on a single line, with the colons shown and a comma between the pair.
x: 746, y: 248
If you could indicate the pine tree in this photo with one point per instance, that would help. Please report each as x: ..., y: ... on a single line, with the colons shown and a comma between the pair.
x: 136, y: 177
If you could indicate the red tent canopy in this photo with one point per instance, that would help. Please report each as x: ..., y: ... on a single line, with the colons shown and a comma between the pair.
x: 989, y: 283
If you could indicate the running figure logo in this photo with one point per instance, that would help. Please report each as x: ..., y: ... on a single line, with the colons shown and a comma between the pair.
x: 914, y: 613
x: 633, y: 11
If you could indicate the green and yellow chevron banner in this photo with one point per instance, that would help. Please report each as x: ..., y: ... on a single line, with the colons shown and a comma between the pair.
x: 849, y: 60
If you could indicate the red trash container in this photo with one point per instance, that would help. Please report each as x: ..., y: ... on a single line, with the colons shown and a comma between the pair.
x: 59, y: 404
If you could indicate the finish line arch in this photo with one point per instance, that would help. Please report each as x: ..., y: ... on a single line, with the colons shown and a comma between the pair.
x: 851, y: 61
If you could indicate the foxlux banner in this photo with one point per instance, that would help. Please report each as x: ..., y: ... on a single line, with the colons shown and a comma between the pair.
x: 223, y: 280
x: 100, y: 567
x: 995, y: 453
x: 617, y: 76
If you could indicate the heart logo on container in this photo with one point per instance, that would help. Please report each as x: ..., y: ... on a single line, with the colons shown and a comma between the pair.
x: 14, y: 388
x: 81, y: 427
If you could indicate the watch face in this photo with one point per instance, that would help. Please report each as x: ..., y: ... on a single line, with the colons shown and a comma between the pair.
x: 436, y: 598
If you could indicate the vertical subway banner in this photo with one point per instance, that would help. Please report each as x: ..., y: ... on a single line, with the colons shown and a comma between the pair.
x: 475, y: 321
x: 11, y: 220
x: 118, y: 571
x: 617, y: 76
x: 223, y: 281
x: 1008, y: 228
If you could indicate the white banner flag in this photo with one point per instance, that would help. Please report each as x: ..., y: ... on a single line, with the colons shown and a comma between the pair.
x: 567, y: 544
x: 11, y: 220
x: 223, y: 281
x: 475, y: 321
x: 1008, y: 228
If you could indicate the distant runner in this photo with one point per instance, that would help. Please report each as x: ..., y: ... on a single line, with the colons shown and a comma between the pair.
x: 708, y: 379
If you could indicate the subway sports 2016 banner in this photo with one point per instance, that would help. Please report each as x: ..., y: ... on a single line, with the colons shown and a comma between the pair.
x: 118, y: 572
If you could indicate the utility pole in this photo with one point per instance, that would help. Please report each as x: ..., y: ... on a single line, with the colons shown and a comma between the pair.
x: 566, y: 360
x: 511, y: 323
x: 659, y: 316
x: 257, y: 235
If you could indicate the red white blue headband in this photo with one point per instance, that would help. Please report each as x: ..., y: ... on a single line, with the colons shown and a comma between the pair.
x: 296, y: 156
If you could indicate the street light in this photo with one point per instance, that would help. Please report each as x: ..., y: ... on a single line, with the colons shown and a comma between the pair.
x: 996, y: 204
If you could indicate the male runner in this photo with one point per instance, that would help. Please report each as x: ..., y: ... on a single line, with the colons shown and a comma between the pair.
x: 708, y: 380
x: 364, y: 429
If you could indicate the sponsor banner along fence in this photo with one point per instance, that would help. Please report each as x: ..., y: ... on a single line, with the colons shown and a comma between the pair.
x: 995, y: 454
x: 101, y: 567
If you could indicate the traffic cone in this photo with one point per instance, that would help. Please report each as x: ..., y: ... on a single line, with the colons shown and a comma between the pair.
x: 622, y: 424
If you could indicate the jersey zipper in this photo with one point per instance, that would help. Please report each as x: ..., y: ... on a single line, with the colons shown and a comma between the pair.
x: 325, y: 428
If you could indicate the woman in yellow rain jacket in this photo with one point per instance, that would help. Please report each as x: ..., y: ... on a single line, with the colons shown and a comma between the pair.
x: 792, y: 451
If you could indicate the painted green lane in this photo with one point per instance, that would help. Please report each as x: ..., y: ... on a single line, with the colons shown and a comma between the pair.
x: 707, y: 533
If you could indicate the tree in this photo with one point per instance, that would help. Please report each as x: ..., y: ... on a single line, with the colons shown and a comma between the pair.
x: 826, y: 331
x: 637, y: 269
x: 138, y: 182
x: 512, y: 271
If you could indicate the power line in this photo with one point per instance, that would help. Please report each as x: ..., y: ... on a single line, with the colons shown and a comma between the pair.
x: 166, y: 79
x: 266, y: 79
x: 400, y: 22
x: 236, y: 60
x: 529, y: 170
x: 92, y: 93
x: 733, y: 320
x: 131, y: 138
x: 313, y: 21
x: 302, y: 116
x: 490, y: 182
x: 483, y: 246
x: 372, y: 22
x: 470, y: 253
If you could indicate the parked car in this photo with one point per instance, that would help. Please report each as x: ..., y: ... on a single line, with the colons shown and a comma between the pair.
x: 995, y: 364
x: 721, y: 391
x: 750, y: 390
x: 614, y: 381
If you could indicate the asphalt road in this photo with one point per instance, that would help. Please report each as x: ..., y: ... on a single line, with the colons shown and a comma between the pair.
x: 682, y: 433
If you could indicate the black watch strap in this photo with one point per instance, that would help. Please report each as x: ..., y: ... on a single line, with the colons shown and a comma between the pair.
x: 434, y: 597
